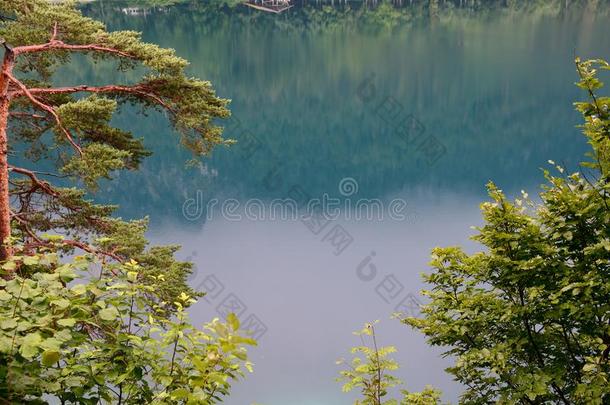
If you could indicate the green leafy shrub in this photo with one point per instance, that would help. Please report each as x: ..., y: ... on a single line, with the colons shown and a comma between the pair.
x: 369, y: 371
x: 527, y: 320
x: 82, y: 332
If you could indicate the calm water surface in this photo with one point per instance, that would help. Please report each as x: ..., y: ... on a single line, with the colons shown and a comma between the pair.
x: 323, y: 94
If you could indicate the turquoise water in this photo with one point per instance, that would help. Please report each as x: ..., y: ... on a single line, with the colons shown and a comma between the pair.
x: 402, y: 104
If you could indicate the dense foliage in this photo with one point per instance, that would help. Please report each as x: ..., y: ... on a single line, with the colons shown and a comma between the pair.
x: 528, y: 319
x: 84, y: 331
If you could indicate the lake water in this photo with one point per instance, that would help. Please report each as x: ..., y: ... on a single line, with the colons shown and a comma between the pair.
x: 386, y: 105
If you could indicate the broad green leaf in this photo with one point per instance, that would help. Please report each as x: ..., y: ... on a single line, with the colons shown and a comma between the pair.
x: 31, y: 260
x: 109, y: 314
x: 50, y: 357
x: 30, y: 344
x: 233, y: 320
x: 61, y: 303
x: 9, y: 323
x: 69, y: 322
x: 79, y: 289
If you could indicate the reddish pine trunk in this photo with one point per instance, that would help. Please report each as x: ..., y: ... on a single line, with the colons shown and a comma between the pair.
x: 5, y: 211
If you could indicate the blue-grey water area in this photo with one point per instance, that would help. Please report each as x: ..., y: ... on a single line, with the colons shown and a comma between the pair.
x: 391, y: 103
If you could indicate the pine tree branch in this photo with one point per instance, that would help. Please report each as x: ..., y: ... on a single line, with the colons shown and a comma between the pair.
x: 138, y: 89
x: 72, y: 243
x: 80, y: 245
x: 55, y: 44
x: 43, y: 187
x: 27, y: 115
x: 47, y: 108
x: 54, y: 35
x: 46, y: 187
